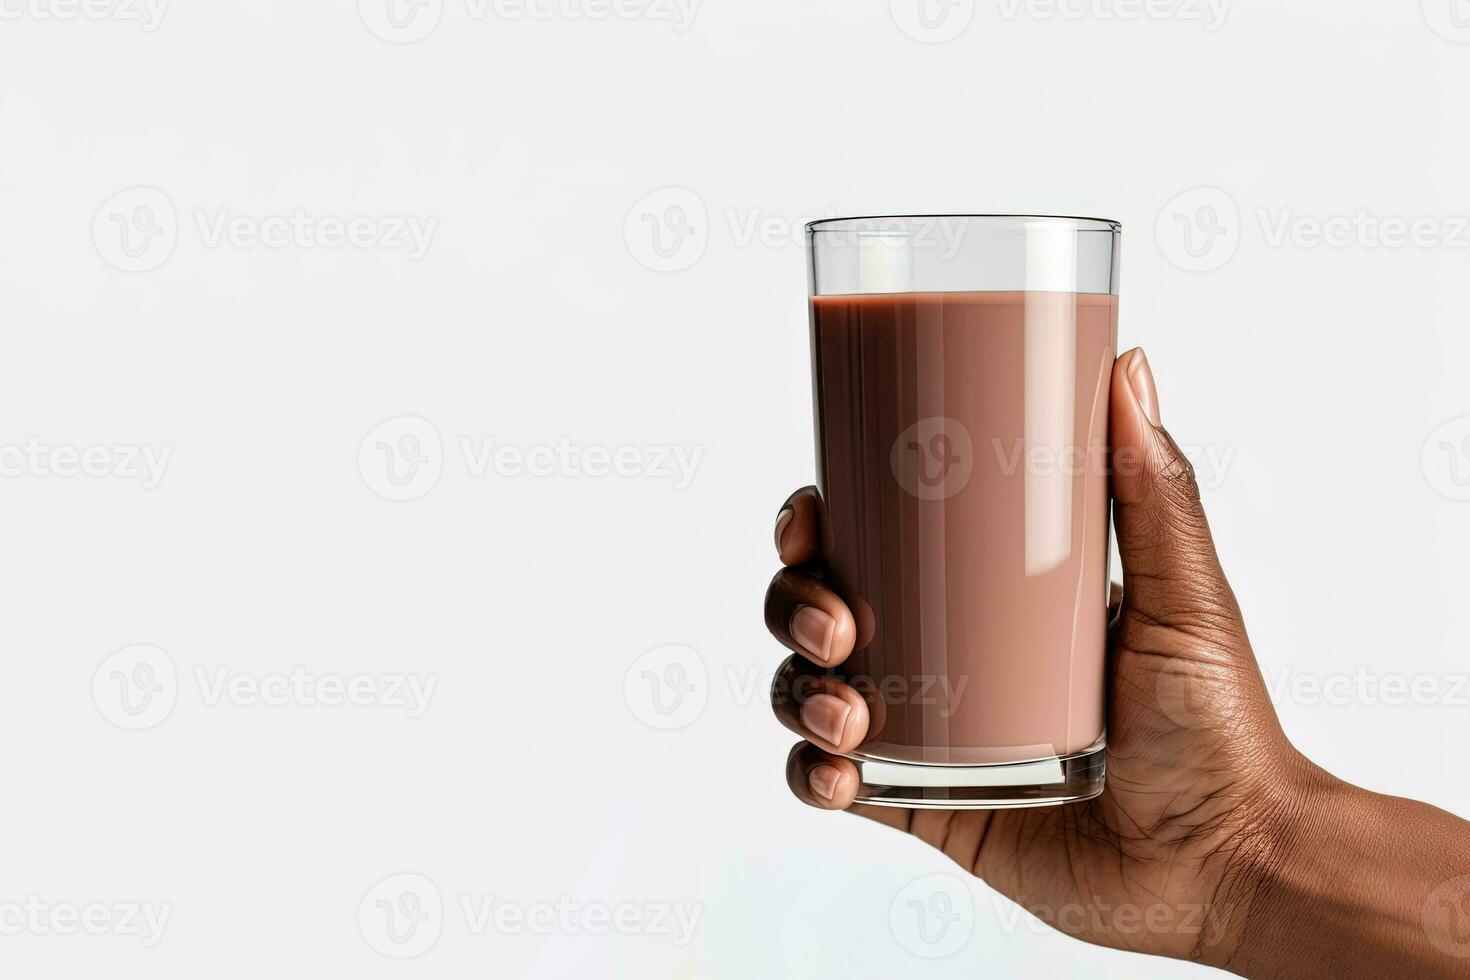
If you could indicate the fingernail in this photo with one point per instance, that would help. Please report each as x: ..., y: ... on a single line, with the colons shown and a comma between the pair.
x: 1141, y: 380
x: 782, y: 519
x: 812, y: 629
x: 823, y: 781
x: 825, y: 716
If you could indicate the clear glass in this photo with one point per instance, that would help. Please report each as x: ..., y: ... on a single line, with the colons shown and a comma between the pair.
x: 960, y: 367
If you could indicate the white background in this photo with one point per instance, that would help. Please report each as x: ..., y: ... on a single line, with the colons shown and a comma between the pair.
x: 537, y: 317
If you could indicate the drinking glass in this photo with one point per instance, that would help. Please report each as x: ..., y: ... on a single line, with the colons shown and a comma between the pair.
x: 960, y: 367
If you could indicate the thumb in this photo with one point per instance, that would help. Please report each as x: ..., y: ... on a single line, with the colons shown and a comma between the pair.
x: 1171, y: 574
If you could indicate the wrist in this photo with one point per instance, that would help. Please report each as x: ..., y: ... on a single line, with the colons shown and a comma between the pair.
x: 1345, y: 884
x: 1275, y: 857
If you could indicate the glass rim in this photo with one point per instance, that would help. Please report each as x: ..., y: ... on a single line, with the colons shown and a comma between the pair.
x: 1075, y: 222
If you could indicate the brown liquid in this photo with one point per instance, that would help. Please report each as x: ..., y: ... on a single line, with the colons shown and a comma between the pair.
x: 961, y: 443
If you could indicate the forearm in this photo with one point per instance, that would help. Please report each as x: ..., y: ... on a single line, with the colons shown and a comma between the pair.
x: 1364, y: 885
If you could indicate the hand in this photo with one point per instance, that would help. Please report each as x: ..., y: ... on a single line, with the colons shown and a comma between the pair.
x: 1189, y: 851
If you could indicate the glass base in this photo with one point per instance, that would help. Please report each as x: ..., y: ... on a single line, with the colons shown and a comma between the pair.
x: 1047, y: 782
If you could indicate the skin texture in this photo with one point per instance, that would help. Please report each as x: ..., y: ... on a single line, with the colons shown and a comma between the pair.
x: 1215, y: 839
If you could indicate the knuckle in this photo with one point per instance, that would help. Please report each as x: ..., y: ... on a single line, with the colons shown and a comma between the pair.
x: 778, y: 602
x: 792, y: 684
x: 1176, y: 479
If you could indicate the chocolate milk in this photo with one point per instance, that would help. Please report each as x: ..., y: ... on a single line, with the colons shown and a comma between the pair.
x: 961, y: 443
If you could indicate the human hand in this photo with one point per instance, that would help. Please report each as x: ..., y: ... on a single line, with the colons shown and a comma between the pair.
x: 1208, y: 822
